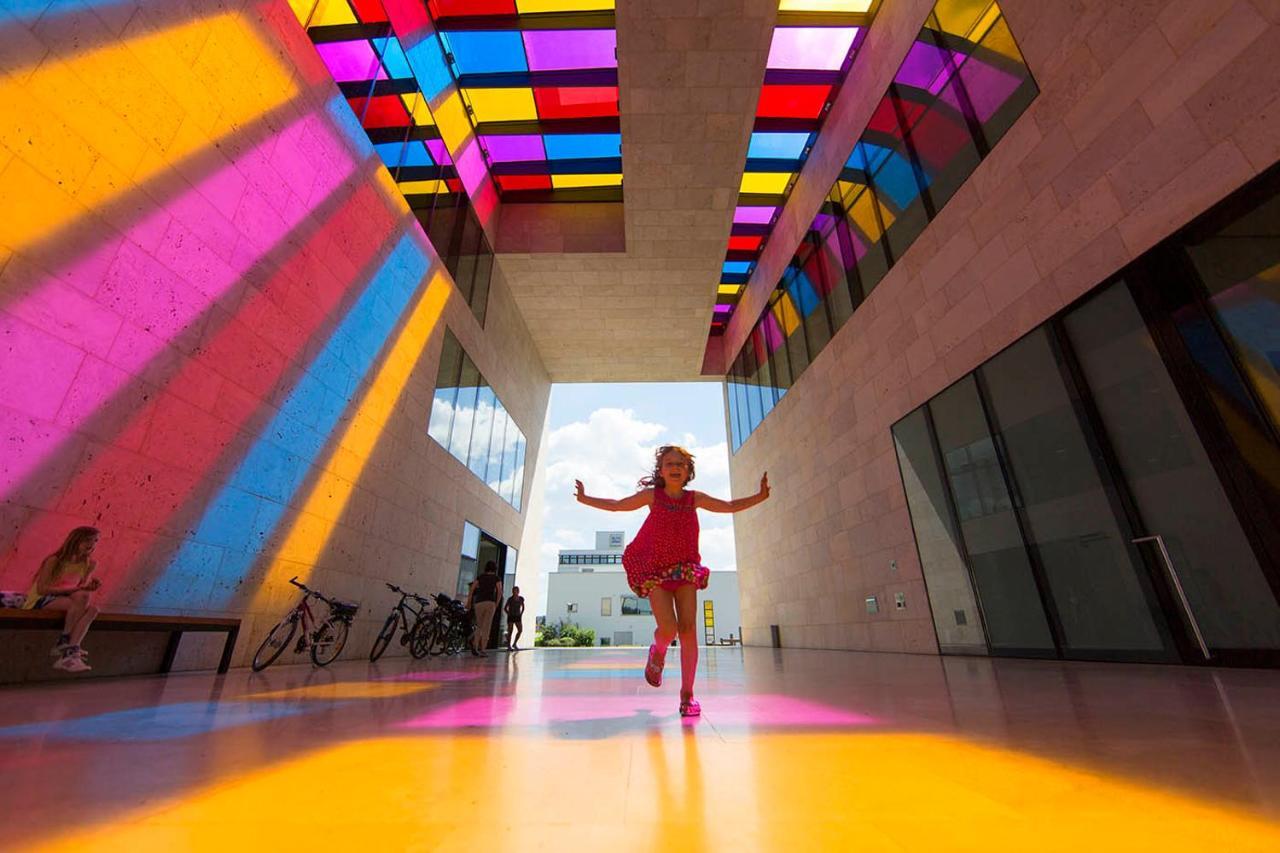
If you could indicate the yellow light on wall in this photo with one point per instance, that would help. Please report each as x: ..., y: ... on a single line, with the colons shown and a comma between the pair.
x: 765, y: 183
x: 117, y: 116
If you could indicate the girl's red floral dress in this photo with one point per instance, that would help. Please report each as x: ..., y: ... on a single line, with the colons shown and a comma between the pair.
x: 665, y: 551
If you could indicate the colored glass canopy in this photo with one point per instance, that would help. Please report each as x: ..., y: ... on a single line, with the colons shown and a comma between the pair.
x: 540, y: 82
x: 813, y: 46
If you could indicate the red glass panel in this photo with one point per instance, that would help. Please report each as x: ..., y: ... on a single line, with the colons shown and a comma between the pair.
x: 369, y: 11
x: 383, y: 111
x: 576, y: 101
x: 524, y: 182
x: 454, y: 185
x: 792, y: 101
x: 745, y: 244
x: 456, y: 8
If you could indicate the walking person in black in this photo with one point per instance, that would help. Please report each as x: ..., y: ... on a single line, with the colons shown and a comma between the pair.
x: 515, y: 615
x: 483, y: 598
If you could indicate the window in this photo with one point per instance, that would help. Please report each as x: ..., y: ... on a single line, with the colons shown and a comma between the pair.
x: 572, y: 607
x: 606, y: 606
x: 634, y: 606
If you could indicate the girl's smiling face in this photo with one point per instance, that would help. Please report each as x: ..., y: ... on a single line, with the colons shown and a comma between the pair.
x: 675, y: 469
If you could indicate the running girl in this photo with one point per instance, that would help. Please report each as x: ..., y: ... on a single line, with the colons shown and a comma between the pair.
x: 663, y: 563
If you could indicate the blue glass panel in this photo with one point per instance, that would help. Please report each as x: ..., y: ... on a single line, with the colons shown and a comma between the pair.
x: 582, y: 146
x: 897, y: 179
x: 487, y: 51
x: 393, y: 58
x: 777, y: 146
x: 736, y: 267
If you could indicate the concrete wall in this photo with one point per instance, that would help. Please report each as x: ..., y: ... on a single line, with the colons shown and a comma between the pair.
x: 586, y: 589
x: 220, y: 324
x: 1148, y: 114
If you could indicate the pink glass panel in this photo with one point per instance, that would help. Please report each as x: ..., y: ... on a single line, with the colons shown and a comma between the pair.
x: 818, y: 48
x: 562, y: 50
x: 753, y: 215
x: 515, y: 148
x: 351, y: 60
x: 439, y: 152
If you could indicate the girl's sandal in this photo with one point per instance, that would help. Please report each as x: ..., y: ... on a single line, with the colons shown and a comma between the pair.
x: 690, y: 708
x: 653, y: 669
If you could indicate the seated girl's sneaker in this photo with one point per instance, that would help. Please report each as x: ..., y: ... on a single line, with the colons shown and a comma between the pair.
x: 71, y: 661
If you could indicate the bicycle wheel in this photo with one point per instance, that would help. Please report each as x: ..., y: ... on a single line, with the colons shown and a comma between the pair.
x: 329, y: 640
x: 275, y: 643
x: 383, y: 639
x: 420, y: 638
x: 439, y: 640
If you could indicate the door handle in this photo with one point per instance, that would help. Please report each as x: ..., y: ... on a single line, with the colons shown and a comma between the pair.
x: 1177, y: 585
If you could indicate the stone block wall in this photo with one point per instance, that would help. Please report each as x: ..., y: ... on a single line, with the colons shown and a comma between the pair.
x: 220, y: 324
x: 1148, y: 114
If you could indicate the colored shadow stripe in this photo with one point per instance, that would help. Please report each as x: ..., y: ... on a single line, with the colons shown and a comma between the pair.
x: 79, y: 150
x: 346, y: 690
x: 131, y: 299
x: 229, y: 537
x: 162, y: 722
x: 328, y: 499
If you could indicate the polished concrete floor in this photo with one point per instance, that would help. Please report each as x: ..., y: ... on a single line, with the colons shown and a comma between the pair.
x: 570, y: 750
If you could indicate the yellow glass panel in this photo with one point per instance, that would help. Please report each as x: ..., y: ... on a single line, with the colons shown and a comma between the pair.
x: 729, y: 289
x: 856, y: 6
x: 998, y: 39
x: 958, y: 17
x: 527, y: 6
x: 421, y: 187
x: 564, y: 182
x: 502, y: 104
x: 785, y: 312
x: 766, y: 183
x: 322, y: 13
x: 863, y: 216
x: 418, y: 109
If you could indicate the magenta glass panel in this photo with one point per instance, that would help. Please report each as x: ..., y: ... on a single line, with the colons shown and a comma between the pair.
x: 515, y: 148
x: 817, y: 48
x: 753, y: 215
x: 927, y: 67
x: 723, y: 309
x: 773, y: 336
x: 351, y: 60
x: 439, y: 152
x: 988, y: 88
x: 562, y: 50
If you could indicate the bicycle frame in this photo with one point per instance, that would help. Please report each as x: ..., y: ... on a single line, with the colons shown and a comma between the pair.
x: 308, y: 619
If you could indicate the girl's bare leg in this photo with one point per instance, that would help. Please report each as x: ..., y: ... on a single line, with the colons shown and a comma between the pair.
x: 686, y: 599
x: 663, y: 602
x: 87, y: 614
x: 73, y: 606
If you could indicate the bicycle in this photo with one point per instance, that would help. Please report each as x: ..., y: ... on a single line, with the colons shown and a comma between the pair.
x: 399, y: 618
x: 443, y: 631
x: 325, y: 640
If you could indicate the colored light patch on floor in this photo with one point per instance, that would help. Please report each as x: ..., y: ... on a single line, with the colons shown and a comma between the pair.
x: 161, y: 722
x: 89, y: 155
x: 440, y: 675
x: 346, y: 690
x: 775, y: 792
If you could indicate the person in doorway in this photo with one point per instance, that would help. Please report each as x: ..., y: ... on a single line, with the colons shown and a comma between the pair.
x: 482, y: 600
x: 64, y: 581
x: 663, y: 563
x: 515, y: 618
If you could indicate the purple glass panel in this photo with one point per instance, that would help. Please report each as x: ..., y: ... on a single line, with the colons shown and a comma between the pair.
x: 925, y: 67
x: 753, y: 215
x: 563, y: 50
x: 511, y: 149
x: 439, y: 152
x: 351, y: 60
x: 773, y: 336
x: 723, y: 309
x: 817, y: 48
x: 988, y: 88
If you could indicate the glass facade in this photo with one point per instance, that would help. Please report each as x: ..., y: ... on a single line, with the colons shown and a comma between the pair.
x: 1104, y: 487
x: 960, y: 88
x: 469, y: 420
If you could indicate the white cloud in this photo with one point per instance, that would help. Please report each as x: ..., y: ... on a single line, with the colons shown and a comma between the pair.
x: 609, y: 452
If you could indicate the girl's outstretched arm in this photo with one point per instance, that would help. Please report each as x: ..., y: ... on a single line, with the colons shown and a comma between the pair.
x: 703, y: 501
x: 635, y: 501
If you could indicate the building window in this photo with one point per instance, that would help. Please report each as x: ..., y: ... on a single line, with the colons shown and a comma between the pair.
x: 573, y: 607
x: 606, y: 606
x: 633, y: 606
x: 469, y: 420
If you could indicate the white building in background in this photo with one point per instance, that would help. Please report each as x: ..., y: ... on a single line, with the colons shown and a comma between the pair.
x: 589, y: 588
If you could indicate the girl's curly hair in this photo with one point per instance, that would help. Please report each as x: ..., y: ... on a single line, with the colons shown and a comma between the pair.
x: 655, y: 479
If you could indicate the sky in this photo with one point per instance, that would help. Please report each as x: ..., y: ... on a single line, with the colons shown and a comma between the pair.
x: 605, y: 435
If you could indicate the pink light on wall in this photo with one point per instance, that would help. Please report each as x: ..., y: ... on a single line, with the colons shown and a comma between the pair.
x: 156, y: 285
